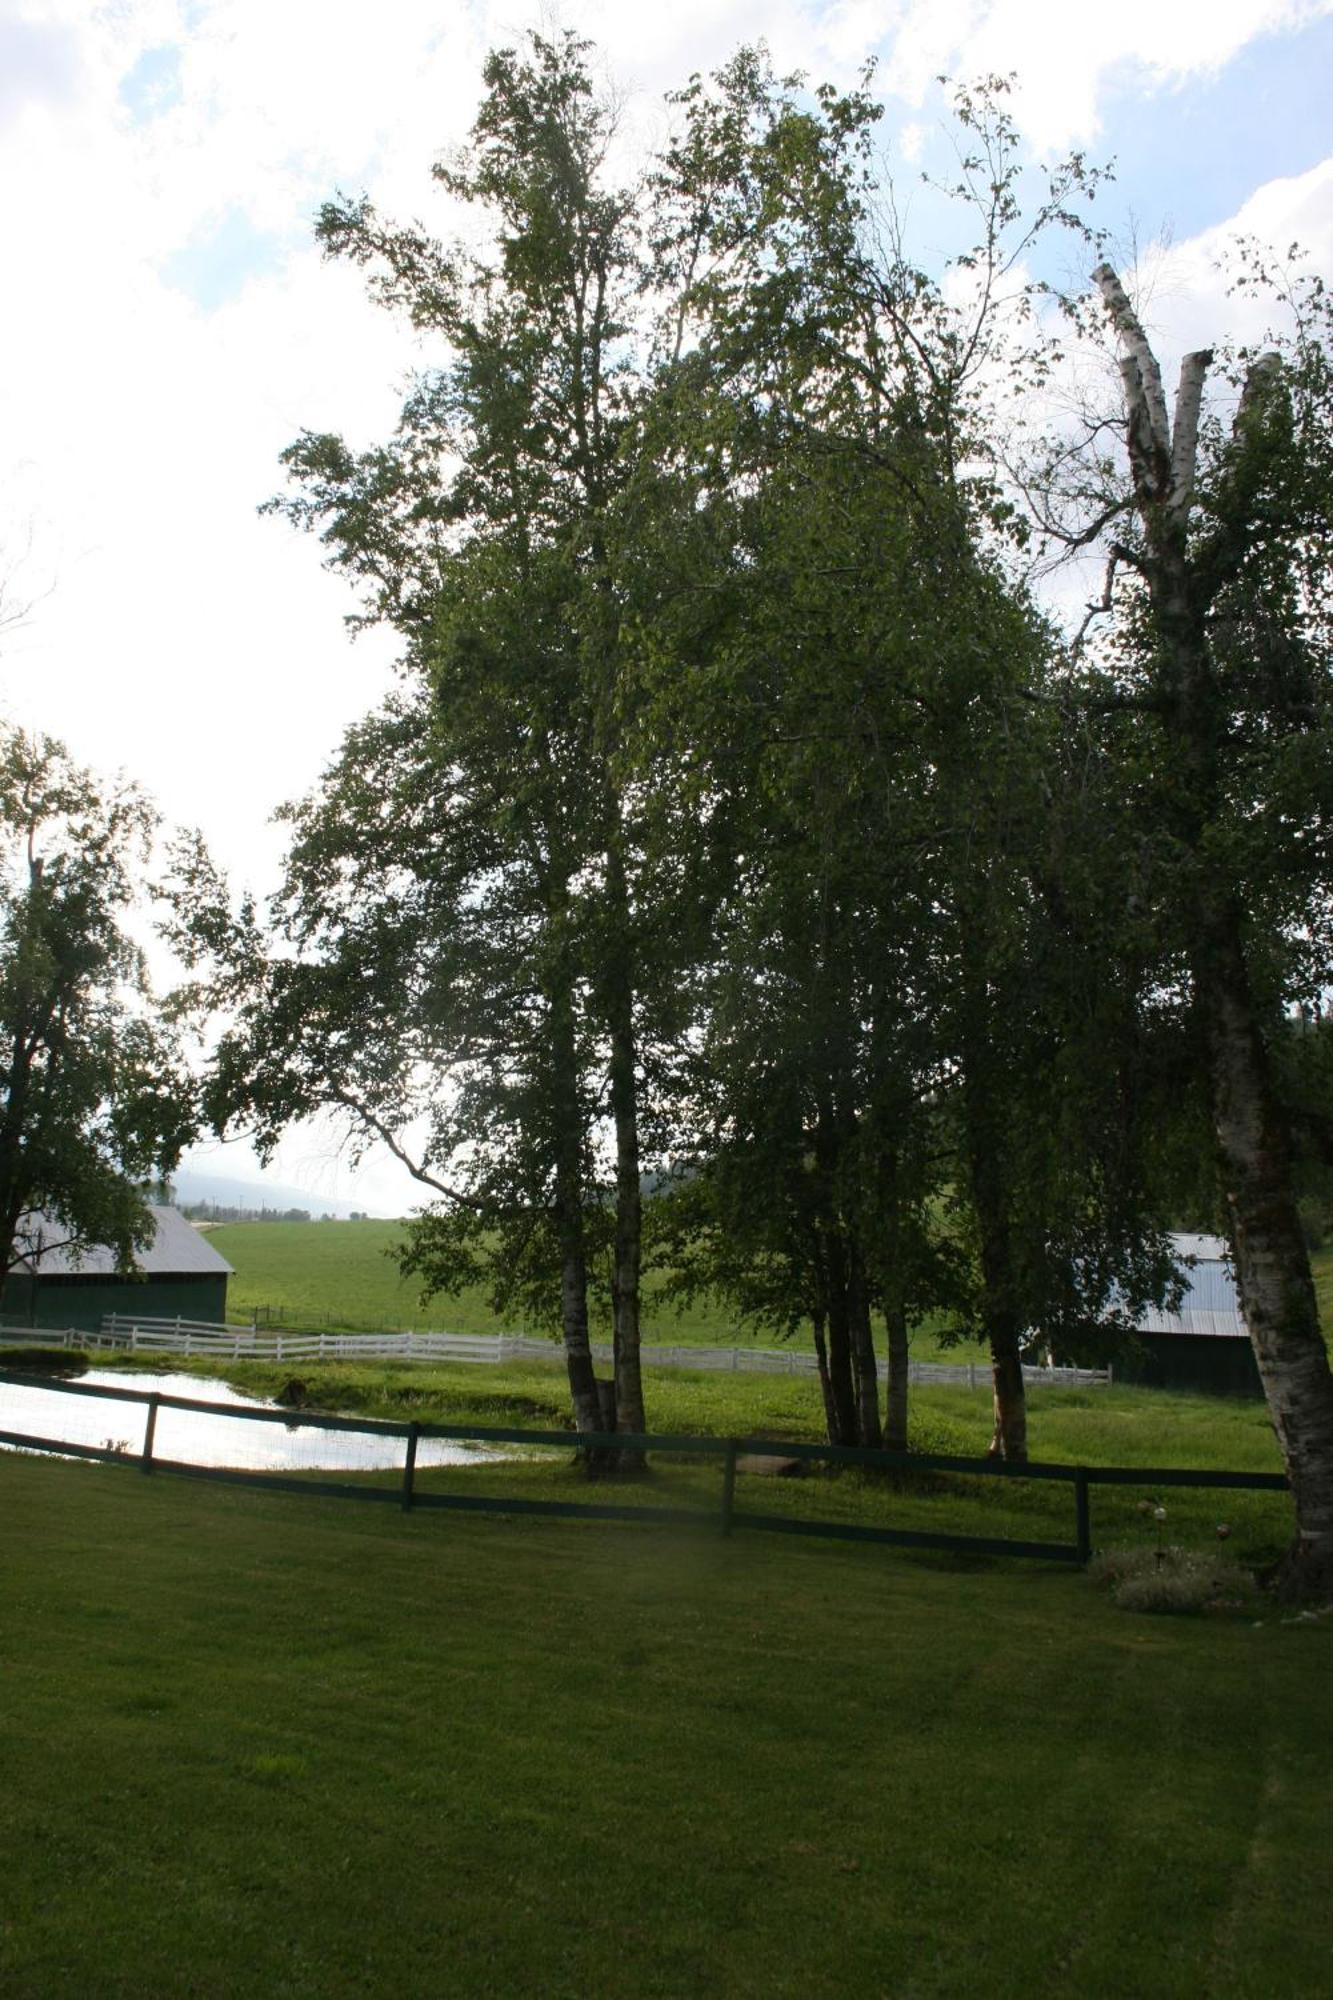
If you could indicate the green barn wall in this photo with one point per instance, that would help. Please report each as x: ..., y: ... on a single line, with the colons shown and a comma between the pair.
x: 1209, y: 1366
x: 83, y: 1303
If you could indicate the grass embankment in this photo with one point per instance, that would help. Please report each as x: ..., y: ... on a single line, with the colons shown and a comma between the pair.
x: 343, y: 1274
x: 266, y: 1746
x: 1120, y: 1426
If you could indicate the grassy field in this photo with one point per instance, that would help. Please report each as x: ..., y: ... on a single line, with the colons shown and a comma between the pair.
x: 265, y: 1745
x: 344, y: 1274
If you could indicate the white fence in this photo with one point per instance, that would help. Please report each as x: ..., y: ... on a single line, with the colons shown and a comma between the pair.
x: 241, y: 1343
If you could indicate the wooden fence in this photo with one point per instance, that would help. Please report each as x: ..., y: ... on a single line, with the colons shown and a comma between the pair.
x: 729, y: 1451
x: 189, y: 1337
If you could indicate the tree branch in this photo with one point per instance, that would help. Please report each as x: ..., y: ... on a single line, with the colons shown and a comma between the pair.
x: 1189, y: 395
x: 1097, y: 607
x: 417, y: 1171
x: 1126, y: 323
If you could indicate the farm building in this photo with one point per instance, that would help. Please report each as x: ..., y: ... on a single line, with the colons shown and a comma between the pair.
x: 1202, y: 1346
x: 179, y: 1274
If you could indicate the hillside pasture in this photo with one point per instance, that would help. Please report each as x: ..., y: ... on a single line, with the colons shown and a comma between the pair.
x: 344, y: 1275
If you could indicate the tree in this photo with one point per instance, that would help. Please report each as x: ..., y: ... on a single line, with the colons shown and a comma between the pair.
x: 95, y: 1100
x: 500, y: 983
x: 1217, y: 694
x: 899, y: 982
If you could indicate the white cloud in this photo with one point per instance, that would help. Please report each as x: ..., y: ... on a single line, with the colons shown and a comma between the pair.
x: 1064, y: 59
x: 1183, y: 291
x: 911, y: 142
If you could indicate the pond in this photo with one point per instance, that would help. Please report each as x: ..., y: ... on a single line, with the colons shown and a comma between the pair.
x: 209, y: 1438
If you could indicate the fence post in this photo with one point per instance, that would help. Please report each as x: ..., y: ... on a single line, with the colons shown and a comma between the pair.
x: 729, y: 1486
x: 149, y: 1431
x: 410, y: 1465
x: 1084, y: 1513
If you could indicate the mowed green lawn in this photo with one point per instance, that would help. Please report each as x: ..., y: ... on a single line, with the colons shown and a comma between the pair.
x: 263, y: 1744
x: 343, y: 1274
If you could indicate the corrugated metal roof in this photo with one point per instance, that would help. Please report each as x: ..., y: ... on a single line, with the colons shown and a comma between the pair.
x: 178, y: 1250
x: 1210, y: 1308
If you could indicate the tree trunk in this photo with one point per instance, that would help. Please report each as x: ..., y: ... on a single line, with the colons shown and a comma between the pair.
x: 15, y: 1193
x: 568, y: 1139
x: 842, y: 1388
x: 832, y: 1259
x: 1009, y: 1438
x: 895, y: 1326
x: 627, y: 1254
x: 1004, y: 1328
x: 825, y: 1382
x: 862, y: 1340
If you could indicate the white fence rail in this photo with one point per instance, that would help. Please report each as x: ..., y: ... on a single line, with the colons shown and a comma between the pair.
x: 241, y: 1343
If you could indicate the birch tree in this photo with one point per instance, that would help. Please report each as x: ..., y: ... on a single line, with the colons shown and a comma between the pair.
x: 1219, y: 569
x: 484, y: 534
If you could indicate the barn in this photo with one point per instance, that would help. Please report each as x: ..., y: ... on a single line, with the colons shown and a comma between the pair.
x: 178, y: 1275
x: 1204, y: 1345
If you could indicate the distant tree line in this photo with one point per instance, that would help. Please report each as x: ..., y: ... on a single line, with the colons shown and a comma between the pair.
x: 217, y: 1211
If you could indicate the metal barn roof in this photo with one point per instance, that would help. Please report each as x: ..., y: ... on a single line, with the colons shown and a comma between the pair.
x: 178, y: 1250
x: 1210, y: 1307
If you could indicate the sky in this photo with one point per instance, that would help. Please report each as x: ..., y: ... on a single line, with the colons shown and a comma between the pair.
x: 169, y: 326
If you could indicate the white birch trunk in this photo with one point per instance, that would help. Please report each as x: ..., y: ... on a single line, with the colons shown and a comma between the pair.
x: 1251, y: 1129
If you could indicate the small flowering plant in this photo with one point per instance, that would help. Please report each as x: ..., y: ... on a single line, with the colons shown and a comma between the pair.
x: 1162, y: 1577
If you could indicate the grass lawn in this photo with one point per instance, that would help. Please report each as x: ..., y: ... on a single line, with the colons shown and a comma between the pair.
x: 258, y: 1744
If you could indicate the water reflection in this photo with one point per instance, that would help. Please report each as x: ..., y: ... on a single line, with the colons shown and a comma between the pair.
x: 207, y: 1438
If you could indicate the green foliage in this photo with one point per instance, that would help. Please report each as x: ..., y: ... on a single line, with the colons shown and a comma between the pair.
x: 459, y: 959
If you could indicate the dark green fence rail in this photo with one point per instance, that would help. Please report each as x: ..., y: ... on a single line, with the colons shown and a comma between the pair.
x: 727, y: 1514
